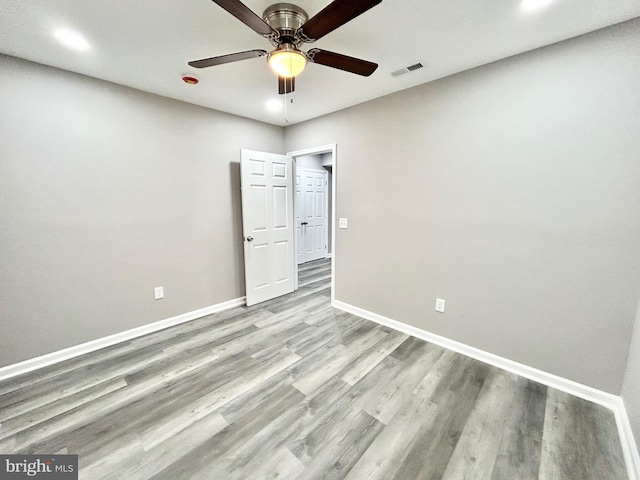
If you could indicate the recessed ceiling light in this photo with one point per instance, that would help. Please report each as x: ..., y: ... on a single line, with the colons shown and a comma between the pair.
x: 71, y: 39
x: 535, y: 5
x: 274, y: 105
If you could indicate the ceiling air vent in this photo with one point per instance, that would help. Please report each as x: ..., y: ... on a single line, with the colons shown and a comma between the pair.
x: 408, y: 69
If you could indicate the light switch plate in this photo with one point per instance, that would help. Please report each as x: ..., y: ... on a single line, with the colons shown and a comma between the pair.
x: 343, y: 223
x: 158, y: 293
x: 440, y: 305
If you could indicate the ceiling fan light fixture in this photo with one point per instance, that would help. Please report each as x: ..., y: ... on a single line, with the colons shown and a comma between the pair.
x: 287, y: 61
x: 287, y: 26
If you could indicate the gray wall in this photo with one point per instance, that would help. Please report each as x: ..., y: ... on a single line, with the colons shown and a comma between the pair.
x: 631, y: 387
x: 309, y: 161
x: 105, y: 193
x: 511, y: 191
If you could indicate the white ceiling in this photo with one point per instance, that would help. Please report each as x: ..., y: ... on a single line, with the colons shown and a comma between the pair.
x: 146, y: 44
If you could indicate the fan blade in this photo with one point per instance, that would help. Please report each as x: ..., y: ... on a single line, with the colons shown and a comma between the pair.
x: 341, y: 62
x: 246, y: 16
x: 334, y: 15
x: 232, y: 57
x: 286, y: 85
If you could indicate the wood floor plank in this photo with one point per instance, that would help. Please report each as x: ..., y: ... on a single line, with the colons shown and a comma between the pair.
x: 8, y: 445
x: 134, y: 415
x: 452, y: 401
x: 177, y: 365
x: 396, y: 386
x: 262, y: 394
x: 21, y: 401
x: 390, y: 451
x: 161, y: 456
x: 477, y: 449
x: 209, y: 403
x: 327, y: 409
x: 106, y: 463
x: 301, y: 430
x: 337, y: 458
x: 315, y: 337
x: 245, y: 459
x: 56, y: 407
x: 322, y: 314
x: 200, y: 460
x: 579, y: 441
x: 270, y: 337
x: 52, y: 434
x: 342, y: 358
x: 368, y: 361
x: 307, y: 281
x: 280, y: 463
x: 386, y: 453
x: 292, y: 312
x: 519, y: 453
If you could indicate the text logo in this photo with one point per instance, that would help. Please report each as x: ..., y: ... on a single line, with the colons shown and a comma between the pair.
x: 49, y: 467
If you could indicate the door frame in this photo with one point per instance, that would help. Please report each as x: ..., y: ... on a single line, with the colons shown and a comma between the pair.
x: 330, y: 148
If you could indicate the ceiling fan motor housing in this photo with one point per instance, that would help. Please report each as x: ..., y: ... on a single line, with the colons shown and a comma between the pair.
x: 286, y: 19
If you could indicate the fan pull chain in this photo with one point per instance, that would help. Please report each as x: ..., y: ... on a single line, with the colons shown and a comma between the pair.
x: 286, y: 117
x: 286, y: 92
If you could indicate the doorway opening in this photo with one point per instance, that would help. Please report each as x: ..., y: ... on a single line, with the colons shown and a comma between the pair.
x: 315, y: 237
x: 312, y: 208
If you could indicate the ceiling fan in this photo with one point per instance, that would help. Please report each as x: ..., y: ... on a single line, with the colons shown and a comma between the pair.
x: 287, y: 26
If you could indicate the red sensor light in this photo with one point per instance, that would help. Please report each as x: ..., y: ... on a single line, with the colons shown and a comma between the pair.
x: 190, y: 80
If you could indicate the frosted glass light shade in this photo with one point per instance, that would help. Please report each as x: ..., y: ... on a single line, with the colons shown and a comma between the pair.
x: 287, y: 62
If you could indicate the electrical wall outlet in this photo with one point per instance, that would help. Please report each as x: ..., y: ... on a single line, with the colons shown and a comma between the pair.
x: 440, y: 305
x: 343, y: 223
x: 158, y: 293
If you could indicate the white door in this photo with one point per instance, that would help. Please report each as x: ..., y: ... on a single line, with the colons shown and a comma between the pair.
x: 267, y: 222
x: 311, y: 217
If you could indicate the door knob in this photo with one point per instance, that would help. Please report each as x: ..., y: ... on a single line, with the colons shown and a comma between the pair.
x: 249, y: 239
x: 304, y: 223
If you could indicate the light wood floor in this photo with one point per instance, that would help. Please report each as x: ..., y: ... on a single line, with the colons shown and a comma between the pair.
x: 293, y: 389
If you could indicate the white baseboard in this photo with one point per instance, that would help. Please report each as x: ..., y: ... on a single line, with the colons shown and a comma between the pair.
x: 77, y: 350
x: 613, y: 402
x: 629, y: 445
